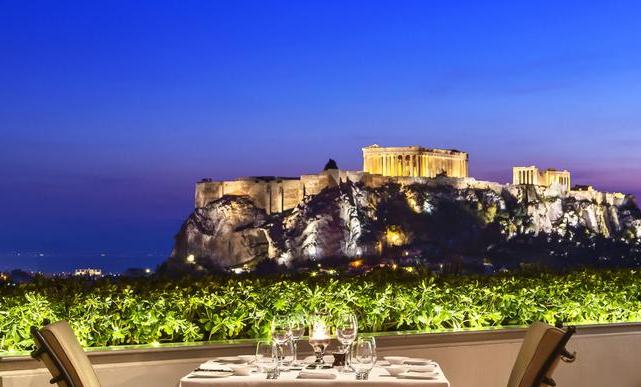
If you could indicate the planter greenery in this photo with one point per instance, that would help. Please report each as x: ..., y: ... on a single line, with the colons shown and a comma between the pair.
x: 117, y: 312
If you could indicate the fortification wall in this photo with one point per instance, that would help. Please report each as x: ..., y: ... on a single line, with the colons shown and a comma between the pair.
x: 278, y: 194
x: 290, y: 193
x: 207, y: 191
x: 313, y: 184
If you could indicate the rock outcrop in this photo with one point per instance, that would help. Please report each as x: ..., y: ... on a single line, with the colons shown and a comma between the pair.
x: 438, y: 218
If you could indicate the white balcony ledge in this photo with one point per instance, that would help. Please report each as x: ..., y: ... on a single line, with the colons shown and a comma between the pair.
x: 606, y: 355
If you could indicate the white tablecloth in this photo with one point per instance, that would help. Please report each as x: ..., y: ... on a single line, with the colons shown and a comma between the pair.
x: 378, y: 378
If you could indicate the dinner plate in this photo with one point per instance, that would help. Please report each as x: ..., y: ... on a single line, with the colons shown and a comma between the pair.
x: 210, y: 374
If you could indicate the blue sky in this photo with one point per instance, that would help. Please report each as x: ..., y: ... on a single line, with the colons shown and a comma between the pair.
x: 110, y: 111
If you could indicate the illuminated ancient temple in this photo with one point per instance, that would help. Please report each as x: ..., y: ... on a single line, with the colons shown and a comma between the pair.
x: 534, y: 176
x: 414, y: 161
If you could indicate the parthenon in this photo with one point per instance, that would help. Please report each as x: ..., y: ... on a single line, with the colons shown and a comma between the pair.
x: 414, y: 161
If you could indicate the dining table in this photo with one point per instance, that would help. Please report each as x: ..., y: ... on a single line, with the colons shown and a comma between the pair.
x: 378, y: 377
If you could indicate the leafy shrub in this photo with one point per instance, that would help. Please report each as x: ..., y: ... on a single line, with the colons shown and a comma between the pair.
x: 116, y: 312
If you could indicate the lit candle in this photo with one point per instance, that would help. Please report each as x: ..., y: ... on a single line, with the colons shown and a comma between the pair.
x: 319, y: 339
x: 319, y: 331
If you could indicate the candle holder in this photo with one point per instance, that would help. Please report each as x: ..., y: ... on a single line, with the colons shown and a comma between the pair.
x: 319, y: 337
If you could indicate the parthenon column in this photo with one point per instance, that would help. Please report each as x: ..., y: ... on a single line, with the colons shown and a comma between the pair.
x: 411, y: 165
x: 393, y: 165
x: 386, y: 171
x: 408, y: 159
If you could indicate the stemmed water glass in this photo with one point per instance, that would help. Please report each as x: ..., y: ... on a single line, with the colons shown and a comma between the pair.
x: 281, y: 333
x: 363, y: 357
x: 346, y: 332
x: 297, y: 328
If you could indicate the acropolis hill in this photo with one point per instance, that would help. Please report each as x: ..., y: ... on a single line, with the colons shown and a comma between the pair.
x: 417, y: 201
x: 383, y: 165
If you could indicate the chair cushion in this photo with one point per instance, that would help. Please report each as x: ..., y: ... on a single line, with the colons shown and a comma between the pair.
x: 538, y: 345
x: 65, y: 345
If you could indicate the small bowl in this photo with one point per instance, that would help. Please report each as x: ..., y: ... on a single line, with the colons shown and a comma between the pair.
x: 396, y: 370
x: 395, y: 360
x: 240, y: 369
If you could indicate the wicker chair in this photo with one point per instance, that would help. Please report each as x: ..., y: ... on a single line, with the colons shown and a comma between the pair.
x: 58, y: 348
x: 542, y: 348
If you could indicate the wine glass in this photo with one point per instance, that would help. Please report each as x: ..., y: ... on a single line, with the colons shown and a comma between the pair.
x: 346, y: 332
x: 319, y: 336
x: 267, y: 359
x: 281, y: 333
x: 363, y: 357
x: 297, y: 328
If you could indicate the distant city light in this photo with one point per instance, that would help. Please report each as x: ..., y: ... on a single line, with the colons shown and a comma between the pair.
x: 89, y: 272
x: 190, y: 258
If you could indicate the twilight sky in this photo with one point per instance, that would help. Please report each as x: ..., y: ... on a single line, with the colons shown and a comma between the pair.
x: 110, y: 111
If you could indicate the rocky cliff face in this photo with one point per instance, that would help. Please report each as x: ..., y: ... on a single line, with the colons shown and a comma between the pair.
x: 437, y: 220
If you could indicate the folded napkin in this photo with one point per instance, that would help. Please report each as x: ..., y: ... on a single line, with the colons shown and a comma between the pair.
x: 214, y: 366
x: 318, y: 374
